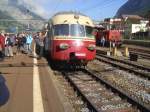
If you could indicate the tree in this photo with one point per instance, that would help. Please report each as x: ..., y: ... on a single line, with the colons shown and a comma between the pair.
x: 147, y: 15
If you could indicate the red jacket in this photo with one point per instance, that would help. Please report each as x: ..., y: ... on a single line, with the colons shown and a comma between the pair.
x: 2, y: 41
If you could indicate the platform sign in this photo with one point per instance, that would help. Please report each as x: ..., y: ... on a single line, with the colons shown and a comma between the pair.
x: 28, y: 29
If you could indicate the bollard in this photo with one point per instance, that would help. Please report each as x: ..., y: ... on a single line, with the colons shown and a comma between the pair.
x: 4, y: 92
x: 115, y: 51
x: 108, y: 53
x: 110, y: 46
x: 126, y: 53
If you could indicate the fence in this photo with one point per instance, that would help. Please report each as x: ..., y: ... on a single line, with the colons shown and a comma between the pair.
x: 21, y: 25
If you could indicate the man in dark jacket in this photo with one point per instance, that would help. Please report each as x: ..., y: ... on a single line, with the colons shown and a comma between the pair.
x: 2, y: 46
x: 4, y: 92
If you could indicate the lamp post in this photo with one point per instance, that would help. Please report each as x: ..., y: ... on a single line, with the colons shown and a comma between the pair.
x: 17, y: 29
x: 28, y: 24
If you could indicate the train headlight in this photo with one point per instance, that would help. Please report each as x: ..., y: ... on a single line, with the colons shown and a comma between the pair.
x: 91, y: 47
x: 63, y: 46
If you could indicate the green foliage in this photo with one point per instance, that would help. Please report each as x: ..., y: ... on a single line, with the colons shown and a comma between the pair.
x: 7, y: 25
x: 139, y: 7
x: 147, y: 14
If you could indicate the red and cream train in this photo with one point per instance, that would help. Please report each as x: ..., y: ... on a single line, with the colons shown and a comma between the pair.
x: 70, y: 38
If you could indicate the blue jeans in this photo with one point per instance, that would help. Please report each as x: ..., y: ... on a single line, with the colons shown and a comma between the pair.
x: 29, y: 50
x: 41, y: 51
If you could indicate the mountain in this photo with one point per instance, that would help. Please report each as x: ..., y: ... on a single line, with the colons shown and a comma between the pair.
x: 24, y: 18
x: 139, y: 7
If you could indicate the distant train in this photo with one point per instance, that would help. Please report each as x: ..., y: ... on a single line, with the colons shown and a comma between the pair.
x: 113, y: 36
x: 70, y: 38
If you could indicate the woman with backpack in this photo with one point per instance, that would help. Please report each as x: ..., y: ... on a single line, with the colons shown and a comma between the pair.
x: 8, y: 46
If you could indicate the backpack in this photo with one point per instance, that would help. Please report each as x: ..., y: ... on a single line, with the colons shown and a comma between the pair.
x: 9, y: 42
x: 24, y: 40
x: 12, y: 40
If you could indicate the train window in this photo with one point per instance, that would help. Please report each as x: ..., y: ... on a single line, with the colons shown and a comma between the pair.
x: 77, y: 30
x: 61, y: 29
x: 89, y: 31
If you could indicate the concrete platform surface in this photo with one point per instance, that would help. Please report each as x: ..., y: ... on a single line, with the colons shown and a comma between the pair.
x: 32, y: 86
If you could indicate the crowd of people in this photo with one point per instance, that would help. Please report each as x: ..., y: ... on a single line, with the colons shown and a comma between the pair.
x: 21, y: 43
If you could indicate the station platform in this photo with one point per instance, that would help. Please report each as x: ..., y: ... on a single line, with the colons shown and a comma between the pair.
x: 121, y: 56
x: 32, y: 85
x: 144, y: 43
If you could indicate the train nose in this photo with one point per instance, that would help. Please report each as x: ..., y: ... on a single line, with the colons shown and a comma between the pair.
x: 77, y: 58
x: 76, y: 55
x: 91, y: 47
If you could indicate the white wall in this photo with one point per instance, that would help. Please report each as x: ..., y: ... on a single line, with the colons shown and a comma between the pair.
x: 138, y: 27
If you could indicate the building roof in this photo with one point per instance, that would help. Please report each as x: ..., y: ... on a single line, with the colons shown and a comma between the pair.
x: 124, y: 16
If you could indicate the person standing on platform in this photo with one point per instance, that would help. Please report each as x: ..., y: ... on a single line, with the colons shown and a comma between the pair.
x: 113, y: 43
x: 41, y: 43
x: 2, y: 46
x: 19, y: 43
x: 29, y: 42
x: 36, y: 39
x: 103, y: 41
x: 23, y: 41
x: 8, y: 46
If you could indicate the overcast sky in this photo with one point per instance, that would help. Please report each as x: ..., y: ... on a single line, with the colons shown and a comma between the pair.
x: 96, y: 9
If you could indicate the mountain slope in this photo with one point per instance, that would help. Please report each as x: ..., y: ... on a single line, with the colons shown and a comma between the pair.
x: 11, y: 9
x: 139, y: 7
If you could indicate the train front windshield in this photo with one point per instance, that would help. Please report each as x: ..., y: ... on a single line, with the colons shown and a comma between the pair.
x: 89, y: 31
x: 75, y: 30
x: 61, y: 30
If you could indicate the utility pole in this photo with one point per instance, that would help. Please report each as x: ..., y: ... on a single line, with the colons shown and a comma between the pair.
x: 28, y: 24
x: 17, y: 29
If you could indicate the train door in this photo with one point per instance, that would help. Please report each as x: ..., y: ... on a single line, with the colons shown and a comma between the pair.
x: 52, y: 41
x: 48, y: 42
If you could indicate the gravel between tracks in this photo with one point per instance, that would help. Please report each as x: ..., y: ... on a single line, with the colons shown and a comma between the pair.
x: 137, y: 87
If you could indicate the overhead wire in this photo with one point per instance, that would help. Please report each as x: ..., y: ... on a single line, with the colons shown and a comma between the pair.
x: 109, y: 4
x: 101, y: 6
x: 104, y: 2
x: 95, y: 5
x: 58, y: 4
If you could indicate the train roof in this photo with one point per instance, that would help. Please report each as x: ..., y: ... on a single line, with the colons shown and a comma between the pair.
x: 68, y: 13
x: 71, y: 18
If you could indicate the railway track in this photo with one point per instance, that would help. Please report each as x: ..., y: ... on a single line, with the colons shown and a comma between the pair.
x: 125, y: 62
x: 125, y: 65
x: 140, y: 52
x: 100, y: 95
x: 143, y: 55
